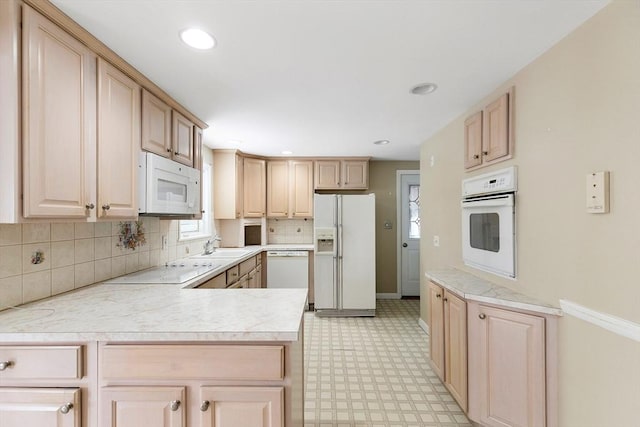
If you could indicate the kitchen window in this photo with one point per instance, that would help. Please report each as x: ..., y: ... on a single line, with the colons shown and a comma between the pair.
x: 197, y: 229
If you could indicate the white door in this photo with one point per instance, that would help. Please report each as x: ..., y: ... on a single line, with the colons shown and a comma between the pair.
x: 409, y: 233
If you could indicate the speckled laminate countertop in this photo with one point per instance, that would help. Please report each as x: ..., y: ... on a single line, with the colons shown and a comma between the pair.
x: 158, y: 313
x: 473, y: 288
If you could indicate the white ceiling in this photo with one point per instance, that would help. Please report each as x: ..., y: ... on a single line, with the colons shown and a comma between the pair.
x: 330, y: 77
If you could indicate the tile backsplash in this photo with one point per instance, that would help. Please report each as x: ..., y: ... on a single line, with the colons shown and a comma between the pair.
x: 281, y: 231
x: 38, y: 260
x: 44, y: 259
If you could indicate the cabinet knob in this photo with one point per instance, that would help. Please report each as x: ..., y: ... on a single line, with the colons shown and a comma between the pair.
x: 106, y: 207
x: 66, y: 408
x: 482, y: 316
x: 174, y: 405
x: 176, y: 153
x: 484, y: 153
x: 476, y: 156
x: 89, y: 206
x: 168, y: 150
x: 204, y: 405
x: 438, y: 295
x: 5, y: 365
x: 445, y: 299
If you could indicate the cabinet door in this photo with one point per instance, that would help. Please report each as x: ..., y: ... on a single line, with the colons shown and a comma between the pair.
x: 495, y: 128
x: 301, y: 188
x: 59, y: 110
x: 254, y: 188
x: 506, y: 367
x: 228, y: 175
x: 436, y: 329
x: 142, y: 406
x: 118, y: 143
x: 327, y: 174
x: 41, y: 407
x: 277, y: 188
x: 182, y: 139
x: 218, y: 282
x: 455, y: 345
x: 355, y: 174
x: 156, y: 125
x: 473, y: 140
x: 242, y: 406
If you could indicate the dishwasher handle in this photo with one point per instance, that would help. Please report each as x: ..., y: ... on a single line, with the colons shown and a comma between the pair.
x: 286, y: 254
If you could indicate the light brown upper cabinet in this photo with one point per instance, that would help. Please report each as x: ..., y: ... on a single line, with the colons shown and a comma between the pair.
x: 228, y: 187
x: 156, y: 125
x: 183, y: 134
x: 166, y: 132
x: 118, y: 143
x: 341, y: 174
x: 290, y: 188
x: 59, y: 122
x: 255, y: 188
x: 489, y: 134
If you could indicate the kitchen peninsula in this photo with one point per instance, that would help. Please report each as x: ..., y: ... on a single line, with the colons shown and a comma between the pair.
x: 122, y: 355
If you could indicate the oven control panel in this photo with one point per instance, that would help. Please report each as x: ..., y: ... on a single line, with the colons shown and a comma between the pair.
x: 500, y: 181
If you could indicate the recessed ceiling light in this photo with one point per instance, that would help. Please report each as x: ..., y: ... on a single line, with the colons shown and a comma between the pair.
x: 382, y: 142
x: 424, y: 88
x: 287, y: 152
x: 197, y: 38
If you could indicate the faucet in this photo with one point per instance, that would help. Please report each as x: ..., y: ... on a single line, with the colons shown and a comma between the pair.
x: 209, y: 247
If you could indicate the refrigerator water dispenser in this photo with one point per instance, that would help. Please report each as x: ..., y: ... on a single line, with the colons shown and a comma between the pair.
x: 325, y: 241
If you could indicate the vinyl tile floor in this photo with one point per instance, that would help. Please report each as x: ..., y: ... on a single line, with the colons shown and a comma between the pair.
x: 373, y: 372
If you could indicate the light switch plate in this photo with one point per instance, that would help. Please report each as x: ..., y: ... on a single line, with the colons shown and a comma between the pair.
x: 598, y: 192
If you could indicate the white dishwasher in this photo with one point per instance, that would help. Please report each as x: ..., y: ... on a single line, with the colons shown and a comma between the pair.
x: 287, y: 269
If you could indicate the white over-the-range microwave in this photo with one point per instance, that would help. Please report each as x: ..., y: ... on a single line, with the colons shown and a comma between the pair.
x: 166, y: 187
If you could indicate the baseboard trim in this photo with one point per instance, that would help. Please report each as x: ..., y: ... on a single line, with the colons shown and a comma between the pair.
x: 617, y: 325
x: 423, y: 325
x: 388, y: 296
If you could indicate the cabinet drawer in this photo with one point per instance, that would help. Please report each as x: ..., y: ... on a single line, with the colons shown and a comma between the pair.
x: 205, y: 362
x: 219, y: 282
x: 232, y: 275
x: 41, y: 362
x: 247, y: 266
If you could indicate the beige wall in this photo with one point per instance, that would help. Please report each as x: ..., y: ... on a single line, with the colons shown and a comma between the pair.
x: 382, y: 182
x: 577, y: 111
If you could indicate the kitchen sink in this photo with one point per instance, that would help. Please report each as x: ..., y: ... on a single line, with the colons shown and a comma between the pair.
x: 224, y: 253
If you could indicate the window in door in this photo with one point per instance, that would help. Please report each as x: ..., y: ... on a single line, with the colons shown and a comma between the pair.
x: 414, y: 211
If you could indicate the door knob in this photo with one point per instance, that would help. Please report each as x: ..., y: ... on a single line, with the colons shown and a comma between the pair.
x: 404, y: 245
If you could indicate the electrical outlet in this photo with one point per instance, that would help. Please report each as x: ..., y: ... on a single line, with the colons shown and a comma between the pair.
x: 436, y: 241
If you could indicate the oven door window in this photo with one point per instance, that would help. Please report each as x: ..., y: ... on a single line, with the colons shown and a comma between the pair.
x: 484, y: 231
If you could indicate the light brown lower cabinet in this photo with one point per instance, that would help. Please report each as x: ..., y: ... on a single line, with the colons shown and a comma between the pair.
x: 499, y: 363
x: 201, y: 385
x: 507, y: 367
x: 448, y: 342
x: 41, y: 407
x: 242, y: 406
x: 142, y: 406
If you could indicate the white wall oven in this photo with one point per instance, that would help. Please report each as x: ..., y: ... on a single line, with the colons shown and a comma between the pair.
x: 488, y: 222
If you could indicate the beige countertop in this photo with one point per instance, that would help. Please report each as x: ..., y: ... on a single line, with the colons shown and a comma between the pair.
x: 158, y: 313
x: 473, y: 288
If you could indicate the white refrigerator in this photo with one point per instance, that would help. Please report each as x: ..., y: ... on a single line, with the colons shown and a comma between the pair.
x: 344, y: 255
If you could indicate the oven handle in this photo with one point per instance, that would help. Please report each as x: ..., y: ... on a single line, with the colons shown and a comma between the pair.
x: 502, y: 200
